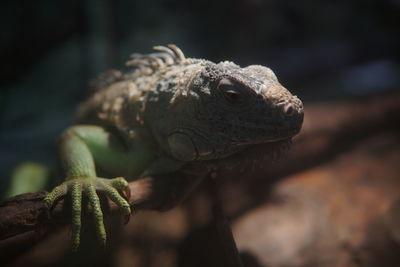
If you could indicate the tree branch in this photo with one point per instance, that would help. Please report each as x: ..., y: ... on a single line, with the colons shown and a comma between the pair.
x: 26, y: 212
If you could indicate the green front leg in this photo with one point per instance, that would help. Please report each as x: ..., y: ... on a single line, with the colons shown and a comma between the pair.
x: 80, y: 148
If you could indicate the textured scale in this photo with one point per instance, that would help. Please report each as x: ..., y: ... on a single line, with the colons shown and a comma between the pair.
x: 167, y: 116
x: 170, y: 100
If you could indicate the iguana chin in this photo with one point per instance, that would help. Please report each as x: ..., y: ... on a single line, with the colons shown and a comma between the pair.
x: 167, y: 112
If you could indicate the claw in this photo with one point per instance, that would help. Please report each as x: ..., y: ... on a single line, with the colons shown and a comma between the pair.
x: 127, y: 193
x: 126, y: 219
x: 47, y: 212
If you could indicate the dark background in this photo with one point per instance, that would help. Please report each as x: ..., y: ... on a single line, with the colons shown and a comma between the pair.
x: 49, y: 50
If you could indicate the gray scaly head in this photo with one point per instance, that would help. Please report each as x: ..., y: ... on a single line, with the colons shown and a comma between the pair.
x: 212, y: 111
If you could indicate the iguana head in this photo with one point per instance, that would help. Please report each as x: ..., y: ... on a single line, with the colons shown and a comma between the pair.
x: 225, y: 109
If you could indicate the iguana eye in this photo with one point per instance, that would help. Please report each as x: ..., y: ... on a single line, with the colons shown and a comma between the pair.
x: 229, y: 90
x: 232, y: 96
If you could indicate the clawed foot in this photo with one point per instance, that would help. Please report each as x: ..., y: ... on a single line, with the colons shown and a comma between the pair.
x: 89, y: 186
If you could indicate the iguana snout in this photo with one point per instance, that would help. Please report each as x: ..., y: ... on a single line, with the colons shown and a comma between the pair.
x: 286, y: 110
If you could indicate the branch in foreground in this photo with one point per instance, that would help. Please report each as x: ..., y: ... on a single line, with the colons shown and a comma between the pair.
x: 26, y: 212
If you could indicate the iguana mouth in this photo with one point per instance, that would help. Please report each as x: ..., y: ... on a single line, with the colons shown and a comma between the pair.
x: 274, y: 140
x: 248, y: 142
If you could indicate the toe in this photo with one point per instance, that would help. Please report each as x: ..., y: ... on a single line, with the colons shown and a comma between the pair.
x: 97, y: 213
x: 55, y: 194
x: 114, y: 195
x: 119, y: 183
x: 76, y: 195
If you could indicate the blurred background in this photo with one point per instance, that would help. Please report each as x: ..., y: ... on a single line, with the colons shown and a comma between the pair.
x: 340, y: 57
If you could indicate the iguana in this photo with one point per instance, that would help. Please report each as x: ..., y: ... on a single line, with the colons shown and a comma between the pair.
x: 164, y: 114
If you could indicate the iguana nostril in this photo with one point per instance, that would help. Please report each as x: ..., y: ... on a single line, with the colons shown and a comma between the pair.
x: 289, y: 110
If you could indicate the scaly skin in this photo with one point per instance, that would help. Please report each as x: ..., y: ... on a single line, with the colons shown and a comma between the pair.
x: 167, y: 113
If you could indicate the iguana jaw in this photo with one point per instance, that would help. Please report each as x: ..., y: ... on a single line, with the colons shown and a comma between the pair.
x: 256, y: 142
x: 187, y: 147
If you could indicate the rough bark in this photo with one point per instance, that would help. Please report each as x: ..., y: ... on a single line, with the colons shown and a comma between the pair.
x: 26, y: 212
